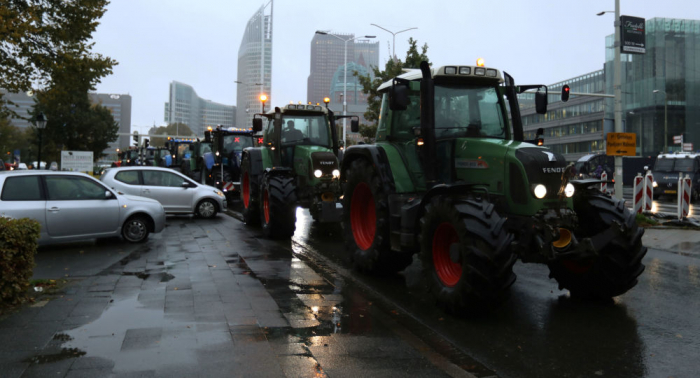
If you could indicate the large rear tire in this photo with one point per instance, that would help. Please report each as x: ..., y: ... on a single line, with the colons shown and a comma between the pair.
x: 278, y: 207
x: 250, y: 197
x: 366, y: 222
x: 465, y: 256
x: 619, y: 262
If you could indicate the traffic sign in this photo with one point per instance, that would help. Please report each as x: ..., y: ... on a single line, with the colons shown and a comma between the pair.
x: 621, y: 144
x: 687, y: 146
x: 678, y: 139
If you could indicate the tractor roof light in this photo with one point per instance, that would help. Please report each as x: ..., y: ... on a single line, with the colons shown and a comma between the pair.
x: 465, y: 70
x: 480, y: 71
x: 480, y: 62
x: 450, y: 70
x: 326, y: 100
x: 491, y: 73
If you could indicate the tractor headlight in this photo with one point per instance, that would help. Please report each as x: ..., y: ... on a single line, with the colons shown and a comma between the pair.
x: 318, y: 173
x: 217, y: 153
x: 336, y: 173
x: 655, y: 184
x: 540, y: 191
x: 219, y: 193
x: 173, y: 156
x: 569, y: 190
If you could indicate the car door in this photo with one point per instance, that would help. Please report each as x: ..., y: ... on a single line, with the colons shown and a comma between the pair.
x: 22, y: 197
x: 127, y: 182
x: 78, y: 206
x: 166, y: 188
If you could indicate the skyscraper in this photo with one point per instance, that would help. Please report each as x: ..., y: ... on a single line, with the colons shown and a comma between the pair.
x: 254, y: 66
x: 184, y: 106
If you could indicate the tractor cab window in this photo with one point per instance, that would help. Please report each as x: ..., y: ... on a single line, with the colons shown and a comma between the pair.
x: 305, y: 130
x: 466, y: 111
x: 236, y: 143
x: 183, y: 150
x: 404, y: 121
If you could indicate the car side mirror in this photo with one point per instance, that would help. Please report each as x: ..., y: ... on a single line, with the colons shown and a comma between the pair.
x: 185, y: 184
x: 354, y: 125
x: 108, y: 194
x: 257, y: 125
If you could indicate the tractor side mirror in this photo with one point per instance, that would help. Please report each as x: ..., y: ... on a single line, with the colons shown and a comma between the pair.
x: 540, y: 132
x: 167, y: 145
x: 257, y: 125
x: 541, y: 101
x: 354, y: 125
x: 191, y: 147
x: 398, y: 97
x: 207, y: 136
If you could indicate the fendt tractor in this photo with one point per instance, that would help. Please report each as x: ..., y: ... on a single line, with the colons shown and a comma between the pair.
x: 451, y: 185
x: 297, y: 165
x: 128, y: 157
x: 220, y: 166
x: 179, y: 149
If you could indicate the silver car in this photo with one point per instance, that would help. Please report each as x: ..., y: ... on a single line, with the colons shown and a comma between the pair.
x: 74, y: 206
x: 175, y: 191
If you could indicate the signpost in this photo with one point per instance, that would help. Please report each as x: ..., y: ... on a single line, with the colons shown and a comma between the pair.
x: 687, y: 147
x: 79, y: 161
x: 678, y: 139
x: 621, y: 144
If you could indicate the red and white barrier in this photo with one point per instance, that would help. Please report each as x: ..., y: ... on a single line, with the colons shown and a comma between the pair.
x: 648, y: 191
x: 684, y: 186
x: 638, y: 193
x: 228, y: 186
x: 604, y: 183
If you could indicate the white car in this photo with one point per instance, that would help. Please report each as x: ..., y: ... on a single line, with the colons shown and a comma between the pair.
x: 74, y: 206
x: 176, y: 192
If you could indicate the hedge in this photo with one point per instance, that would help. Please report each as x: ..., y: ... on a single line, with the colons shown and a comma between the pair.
x: 18, y: 243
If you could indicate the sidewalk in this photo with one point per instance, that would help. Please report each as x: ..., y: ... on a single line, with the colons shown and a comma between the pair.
x: 209, y: 299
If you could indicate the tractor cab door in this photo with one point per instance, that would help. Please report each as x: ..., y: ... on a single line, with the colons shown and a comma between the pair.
x: 402, y: 133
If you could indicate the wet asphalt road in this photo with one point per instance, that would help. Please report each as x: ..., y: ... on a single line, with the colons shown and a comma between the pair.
x: 651, y: 331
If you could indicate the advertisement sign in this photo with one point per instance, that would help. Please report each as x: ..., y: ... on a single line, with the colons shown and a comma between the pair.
x: 80, y: 161
x: 632, y: 35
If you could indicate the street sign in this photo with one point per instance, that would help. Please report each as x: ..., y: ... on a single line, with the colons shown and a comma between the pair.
x: 621, y: 144
x: 678, y: 139
x: 632, y: 36
x: 79, y: 161
x: 687, y: 146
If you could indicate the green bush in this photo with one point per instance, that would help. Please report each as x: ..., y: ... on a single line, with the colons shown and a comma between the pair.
x: 18, y: 243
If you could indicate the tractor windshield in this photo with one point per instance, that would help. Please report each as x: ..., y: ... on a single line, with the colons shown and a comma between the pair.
x: 237, y: 143
x: 468, y: 111
x: 306, y: 129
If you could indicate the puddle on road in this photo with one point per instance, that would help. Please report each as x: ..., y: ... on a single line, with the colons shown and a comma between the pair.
x: 687, y: 247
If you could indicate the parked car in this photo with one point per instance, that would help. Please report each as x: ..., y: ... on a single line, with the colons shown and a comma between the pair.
x: 669, y: 167
x: 74, y: 206
x: 177, y: 193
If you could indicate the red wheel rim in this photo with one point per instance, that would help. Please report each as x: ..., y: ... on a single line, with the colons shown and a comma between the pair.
x: 447, y: 270
x: 266, y: 207
x: 363, y: 219
x: 246, y: 190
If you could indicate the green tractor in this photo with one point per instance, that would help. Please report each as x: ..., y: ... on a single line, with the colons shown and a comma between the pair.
x: 297, y: 165
x: 452, y: 186
x: 192, y: 163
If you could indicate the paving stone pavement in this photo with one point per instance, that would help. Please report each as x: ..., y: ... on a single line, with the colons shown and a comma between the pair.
x: 206, y: 298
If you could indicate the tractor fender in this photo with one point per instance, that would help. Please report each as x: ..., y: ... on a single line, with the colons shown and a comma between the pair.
x: 376, y: 156
x: 209, y: 161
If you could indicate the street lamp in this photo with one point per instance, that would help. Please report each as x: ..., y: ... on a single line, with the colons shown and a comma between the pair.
x: 263, y: 98
x: 617, y: 84
x: 393, y: 44
x: 345, y: 80
x: 40, y: 125
x: 665, y: 118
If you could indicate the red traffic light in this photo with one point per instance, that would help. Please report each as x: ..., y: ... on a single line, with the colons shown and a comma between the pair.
x: 565, y: 93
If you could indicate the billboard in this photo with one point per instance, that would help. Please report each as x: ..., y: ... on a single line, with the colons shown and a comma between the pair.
x: 80, y: 161
x: 632, y: 39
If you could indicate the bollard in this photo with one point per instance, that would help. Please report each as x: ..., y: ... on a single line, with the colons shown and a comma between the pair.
x: 638, y: 193
x: 604, y: 184
x: 684, y: 186
x: 648, y: 191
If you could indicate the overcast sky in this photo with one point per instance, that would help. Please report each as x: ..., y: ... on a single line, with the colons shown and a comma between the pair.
x: 536, y: 41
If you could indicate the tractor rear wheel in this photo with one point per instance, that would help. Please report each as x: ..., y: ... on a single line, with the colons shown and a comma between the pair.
x: 249, y: 194
x: 278, y: 207
x: 618, y: 263
x: 465, y: 256
x: 366, y: 222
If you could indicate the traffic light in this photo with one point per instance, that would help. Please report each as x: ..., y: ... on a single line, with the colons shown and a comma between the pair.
x: 136, y: 137
x: 565, y: 93
x: 146, y: 142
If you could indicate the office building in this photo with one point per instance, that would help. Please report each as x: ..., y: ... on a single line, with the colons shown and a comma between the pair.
x: 254, y: 66
x: 185, y: 106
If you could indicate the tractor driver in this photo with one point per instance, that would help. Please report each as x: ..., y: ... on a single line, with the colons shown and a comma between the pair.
x: 290, y: 134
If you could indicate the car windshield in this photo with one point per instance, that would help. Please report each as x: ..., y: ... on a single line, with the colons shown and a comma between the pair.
x: 684, y: 165
x: 664, y: 165
x: 237, y: 142
x: 468, y: 111
x: 306, y: 129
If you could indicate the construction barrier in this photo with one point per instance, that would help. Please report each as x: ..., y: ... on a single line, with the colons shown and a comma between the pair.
x: 638, y: 193
x: 684, y: 187
x: 648, y: 191
x: 604, y: 183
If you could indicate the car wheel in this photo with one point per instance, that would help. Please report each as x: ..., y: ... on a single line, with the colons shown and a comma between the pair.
x: 206, y: 209
x: 135, y: 229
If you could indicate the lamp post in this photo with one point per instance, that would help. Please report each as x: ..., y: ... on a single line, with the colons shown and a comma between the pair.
x: 40, y: 125
x: 345, y: 80
x: 617, y: 87
x: 263, y: 98
x: 665, y: 118
x: 393, y: 43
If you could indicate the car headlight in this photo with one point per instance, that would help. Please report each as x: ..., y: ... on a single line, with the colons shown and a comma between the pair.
x: 318, y: 173
x: 654, y: 184
x: 336, y: 173
x: 540, y: 191
x: 569, y: 190
x: 219, y: 193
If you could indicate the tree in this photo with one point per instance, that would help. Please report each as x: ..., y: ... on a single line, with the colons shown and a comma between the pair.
x: 392, y: 69
x: 13, y: 138
x: 369, y: 132
x: 40, y: 39
x: 177, y: 128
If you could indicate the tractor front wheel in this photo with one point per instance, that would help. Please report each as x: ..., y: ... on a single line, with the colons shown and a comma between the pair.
x: 278, y: 207
x: 249, y: 194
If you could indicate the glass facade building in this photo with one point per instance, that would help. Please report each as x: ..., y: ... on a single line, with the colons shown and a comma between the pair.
x: 254, y: 67
x: 197, y: 113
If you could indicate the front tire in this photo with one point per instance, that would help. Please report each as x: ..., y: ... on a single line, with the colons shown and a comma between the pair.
x: 619, y: 262
x: 206, y: 209
x: 249, y: 194
x: 135, y: 229
x: 278, y: 210
x: 465, y: 255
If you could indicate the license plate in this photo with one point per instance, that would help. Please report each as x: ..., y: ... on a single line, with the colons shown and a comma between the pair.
x: 670, y: 191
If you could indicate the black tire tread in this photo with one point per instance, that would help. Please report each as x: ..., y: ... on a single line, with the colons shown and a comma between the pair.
x: 283, y: 201
x: 251, y: 214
